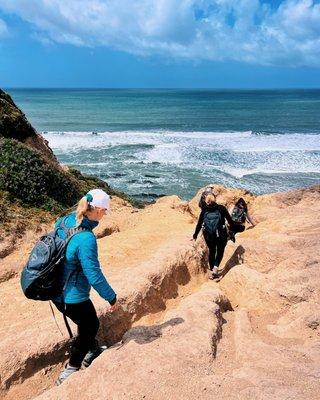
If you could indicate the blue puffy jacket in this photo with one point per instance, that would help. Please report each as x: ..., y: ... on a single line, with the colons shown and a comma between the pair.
x: 82, y: 265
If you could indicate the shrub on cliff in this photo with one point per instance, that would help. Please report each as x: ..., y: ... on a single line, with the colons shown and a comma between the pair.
x: 27, y: 176
x: 14, y: 125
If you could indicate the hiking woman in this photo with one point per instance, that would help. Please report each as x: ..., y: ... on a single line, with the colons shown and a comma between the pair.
x: 239, y: 215
x: 212, y: 220
x: 81, y: 271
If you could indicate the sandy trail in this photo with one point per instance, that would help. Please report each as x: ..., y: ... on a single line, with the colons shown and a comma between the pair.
x: 142, y: 251
x: 254, y: 334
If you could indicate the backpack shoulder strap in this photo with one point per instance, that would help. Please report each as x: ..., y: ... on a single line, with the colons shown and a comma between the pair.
x: 70, y: 232
x: 63, y: 226
x: 73, y: 231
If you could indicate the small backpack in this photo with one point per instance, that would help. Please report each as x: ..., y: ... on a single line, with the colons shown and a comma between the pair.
x: 213, y: 223
x: 238, y: 215
x: 41, y: 276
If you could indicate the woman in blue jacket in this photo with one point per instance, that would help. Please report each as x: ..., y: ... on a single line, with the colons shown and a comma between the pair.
x: 81, y: 271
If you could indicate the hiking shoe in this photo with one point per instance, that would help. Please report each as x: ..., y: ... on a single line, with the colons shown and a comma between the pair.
x: 93, y: 354
x: 210, y: 275
x: 213, y: 273
x: 68, y: 370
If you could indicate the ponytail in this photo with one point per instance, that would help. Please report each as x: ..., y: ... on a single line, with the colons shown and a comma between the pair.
x: 82, y: 208
x: 210, y: 199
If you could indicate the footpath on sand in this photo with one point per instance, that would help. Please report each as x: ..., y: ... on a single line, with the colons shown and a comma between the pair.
x: 252, y: 335
x: 148, y: 259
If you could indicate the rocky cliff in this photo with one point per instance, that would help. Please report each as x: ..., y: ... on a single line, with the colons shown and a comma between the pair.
x: 253, y: 334
x: 14, y: 125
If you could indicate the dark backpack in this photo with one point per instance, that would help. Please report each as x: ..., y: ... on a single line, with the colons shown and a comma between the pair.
x: 41, y: 276
x: 213, y: 223
x: 238, y: 215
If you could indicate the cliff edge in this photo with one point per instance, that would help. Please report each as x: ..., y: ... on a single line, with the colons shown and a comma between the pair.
x: 14, y: 125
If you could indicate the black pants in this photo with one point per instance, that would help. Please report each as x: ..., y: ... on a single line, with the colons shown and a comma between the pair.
x: 85, y: 317
x: 237, y: 228
x: 216, y: 248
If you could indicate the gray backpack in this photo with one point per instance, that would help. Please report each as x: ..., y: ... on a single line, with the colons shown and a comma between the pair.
x: 213, y: 224
x: 41, y: 276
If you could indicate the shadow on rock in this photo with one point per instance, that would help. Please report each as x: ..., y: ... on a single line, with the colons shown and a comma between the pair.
x: 236, y: 259
x: 147, y: 334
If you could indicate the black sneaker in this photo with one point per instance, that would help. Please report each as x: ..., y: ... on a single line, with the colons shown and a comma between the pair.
x: 213, y: 273
x: 92, y: 355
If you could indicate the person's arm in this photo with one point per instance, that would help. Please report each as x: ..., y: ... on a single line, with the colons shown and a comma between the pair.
x: 226, y: 215
x: 88, y: 256
x: 199, y: 224
x: 249, y: 219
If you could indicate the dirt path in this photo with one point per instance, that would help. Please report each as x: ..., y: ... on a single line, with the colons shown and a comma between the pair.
x: 141, y: 260
x: 180, y: 340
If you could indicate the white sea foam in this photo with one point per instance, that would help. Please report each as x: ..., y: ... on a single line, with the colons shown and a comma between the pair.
x: 167, y: 153
x: 235, y: 153
x: 236, y: 141
x: 242, y: 172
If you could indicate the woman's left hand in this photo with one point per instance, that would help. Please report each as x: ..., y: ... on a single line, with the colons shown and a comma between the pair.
x: 114, y: 307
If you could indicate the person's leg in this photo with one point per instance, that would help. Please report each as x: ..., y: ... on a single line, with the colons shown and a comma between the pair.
x: 212, y: 247
x: 234, y: 230
x: 221, y: 244
x: 238, y: 228
x: 85, y: 317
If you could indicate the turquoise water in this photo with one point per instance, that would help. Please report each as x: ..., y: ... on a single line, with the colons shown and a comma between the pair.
x: 154, y: 142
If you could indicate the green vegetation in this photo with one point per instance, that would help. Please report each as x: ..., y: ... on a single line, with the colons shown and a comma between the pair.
x: 25, y: 175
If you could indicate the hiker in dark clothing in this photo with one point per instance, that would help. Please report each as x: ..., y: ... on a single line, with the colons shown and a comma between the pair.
x: 239, y: 215
x: 212, y: 220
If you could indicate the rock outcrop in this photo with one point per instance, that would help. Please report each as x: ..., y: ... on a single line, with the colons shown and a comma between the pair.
x: 14, y: 125
x: 254, y: 334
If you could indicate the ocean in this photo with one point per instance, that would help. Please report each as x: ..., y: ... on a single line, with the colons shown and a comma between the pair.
x: 150, y: 143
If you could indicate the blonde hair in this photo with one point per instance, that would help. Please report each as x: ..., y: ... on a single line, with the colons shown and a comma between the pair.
x: 82, y: 207
x: 210, y: 199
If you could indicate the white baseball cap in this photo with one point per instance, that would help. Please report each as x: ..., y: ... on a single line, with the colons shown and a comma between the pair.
x: 98, y: 198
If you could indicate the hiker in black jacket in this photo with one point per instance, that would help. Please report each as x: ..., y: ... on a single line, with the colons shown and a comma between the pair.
x: 239, y: 215
x: 212, y: 220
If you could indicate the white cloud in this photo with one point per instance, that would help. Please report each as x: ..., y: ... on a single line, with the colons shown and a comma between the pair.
x: 238, y: 30
x: 3, y: 28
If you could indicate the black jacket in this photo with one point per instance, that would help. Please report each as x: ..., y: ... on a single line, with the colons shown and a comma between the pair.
x: 224, y: 212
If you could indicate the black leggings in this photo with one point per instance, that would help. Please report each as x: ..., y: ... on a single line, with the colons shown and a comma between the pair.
x: 85, y: 316
x: 237, y: 228
x: 216, y: 248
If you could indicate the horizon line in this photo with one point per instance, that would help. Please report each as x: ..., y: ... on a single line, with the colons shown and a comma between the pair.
x: 153, y: 88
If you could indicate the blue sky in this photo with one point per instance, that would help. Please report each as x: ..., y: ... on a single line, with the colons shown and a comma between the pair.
x: 160, y: 43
